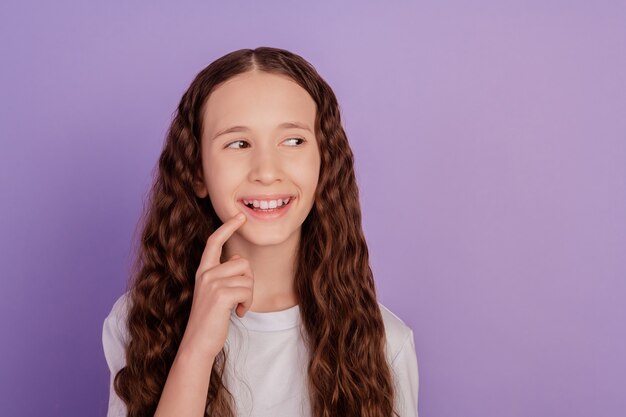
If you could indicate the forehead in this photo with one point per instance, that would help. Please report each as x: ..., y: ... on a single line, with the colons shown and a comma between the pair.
x: 259, y: 100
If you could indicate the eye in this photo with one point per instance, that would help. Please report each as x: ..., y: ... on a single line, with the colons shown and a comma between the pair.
x: 303, y: 140
x: 243, y: 141
x: 237, y: 141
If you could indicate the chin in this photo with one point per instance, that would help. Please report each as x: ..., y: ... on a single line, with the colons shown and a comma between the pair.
x: 265, y: 237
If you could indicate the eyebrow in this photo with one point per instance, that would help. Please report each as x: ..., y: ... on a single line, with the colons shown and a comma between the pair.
x: 285, y: 125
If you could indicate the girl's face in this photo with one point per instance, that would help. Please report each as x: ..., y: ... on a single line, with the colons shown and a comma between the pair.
x: 262, y: 152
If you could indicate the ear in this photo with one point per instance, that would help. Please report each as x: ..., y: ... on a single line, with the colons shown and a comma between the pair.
x: 199, y: 187
x: 200, y: 190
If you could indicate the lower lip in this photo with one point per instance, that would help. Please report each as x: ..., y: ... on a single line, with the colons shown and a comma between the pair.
x: 270, y: 214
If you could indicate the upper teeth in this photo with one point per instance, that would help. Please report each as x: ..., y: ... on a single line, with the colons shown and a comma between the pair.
x: 265, y: 204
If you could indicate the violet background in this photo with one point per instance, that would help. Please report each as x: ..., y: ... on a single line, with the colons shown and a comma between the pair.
x: 490, y: 146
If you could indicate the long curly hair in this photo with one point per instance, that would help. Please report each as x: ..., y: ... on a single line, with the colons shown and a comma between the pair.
x: 348, y: 374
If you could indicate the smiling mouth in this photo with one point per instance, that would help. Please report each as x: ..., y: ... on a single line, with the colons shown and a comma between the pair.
x: 265, y: 206
x: 267, y: 213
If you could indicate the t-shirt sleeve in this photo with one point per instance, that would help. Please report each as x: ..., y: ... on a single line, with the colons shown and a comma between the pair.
x: 407, y: 378
x: 114, y: 338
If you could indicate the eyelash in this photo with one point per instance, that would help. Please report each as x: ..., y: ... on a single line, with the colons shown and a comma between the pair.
x: 241, y: 140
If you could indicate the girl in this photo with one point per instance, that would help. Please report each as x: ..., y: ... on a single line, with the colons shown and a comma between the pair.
x: 252, y: 292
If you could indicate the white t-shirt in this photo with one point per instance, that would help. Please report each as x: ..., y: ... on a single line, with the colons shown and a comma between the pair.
x: 266, y: 361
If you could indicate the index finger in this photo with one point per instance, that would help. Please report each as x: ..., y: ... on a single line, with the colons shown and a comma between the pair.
x: 213, y: 249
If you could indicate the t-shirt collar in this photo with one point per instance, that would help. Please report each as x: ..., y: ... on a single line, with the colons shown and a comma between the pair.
x: 268, y: 321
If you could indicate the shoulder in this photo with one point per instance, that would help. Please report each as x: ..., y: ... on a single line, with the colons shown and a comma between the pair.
x: 115, y: 333
x: 402, y: 357
x: 396, y: 332
x: 119, y: 310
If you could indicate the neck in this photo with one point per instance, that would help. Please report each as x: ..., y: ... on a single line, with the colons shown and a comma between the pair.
x: 273, y: 269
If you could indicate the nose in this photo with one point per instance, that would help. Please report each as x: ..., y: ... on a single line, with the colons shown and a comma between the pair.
x: 265, y: 166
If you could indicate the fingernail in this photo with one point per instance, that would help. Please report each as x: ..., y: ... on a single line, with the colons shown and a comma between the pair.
x: 240, y: 216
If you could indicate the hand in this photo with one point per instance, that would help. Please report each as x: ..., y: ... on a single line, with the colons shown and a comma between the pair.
x: 218, y: 289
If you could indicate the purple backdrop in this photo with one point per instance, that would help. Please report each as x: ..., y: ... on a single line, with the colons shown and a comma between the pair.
x: 490, y: 145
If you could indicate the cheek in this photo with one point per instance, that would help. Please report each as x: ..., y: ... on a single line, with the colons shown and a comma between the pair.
x: 221, y: 180
x: 308, y: 174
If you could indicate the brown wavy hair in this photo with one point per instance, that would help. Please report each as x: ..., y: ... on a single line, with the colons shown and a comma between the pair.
x: 348, y: 374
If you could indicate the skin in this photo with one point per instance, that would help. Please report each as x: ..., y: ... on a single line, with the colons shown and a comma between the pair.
x: 265, y: 159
